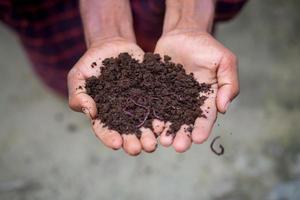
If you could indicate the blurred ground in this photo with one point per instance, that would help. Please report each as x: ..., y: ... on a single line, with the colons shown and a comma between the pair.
x: 49, y: 152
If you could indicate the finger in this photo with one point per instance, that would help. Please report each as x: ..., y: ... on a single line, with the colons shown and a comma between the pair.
x: 166, y: 139
x: 115, y: 47
x: 137, y: 54
x: 110, y: 138
x: 182, y: 140
x: 148, y: 140
x: 158, y: 126
x: 131, y: 144
x: 228, y: 83
x: 78, y: 99
x: 203, y: 125
x: 83, y: 103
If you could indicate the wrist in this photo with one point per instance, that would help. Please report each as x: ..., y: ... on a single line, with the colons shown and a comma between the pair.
x: 102, y: 41
x: 106, y: 20
x: 189, y: 15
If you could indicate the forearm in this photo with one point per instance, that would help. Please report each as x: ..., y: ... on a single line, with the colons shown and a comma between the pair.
x: 189, y: 15
x: 106, y: 19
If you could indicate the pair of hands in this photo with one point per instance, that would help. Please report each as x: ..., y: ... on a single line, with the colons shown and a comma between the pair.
x: 199, y: 53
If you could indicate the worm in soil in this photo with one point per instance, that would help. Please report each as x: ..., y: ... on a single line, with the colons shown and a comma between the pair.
x: 155, y: 115
x: 146, y: 116
x: 144, y: 120
x: 136, y: 103
x: 127, y: 112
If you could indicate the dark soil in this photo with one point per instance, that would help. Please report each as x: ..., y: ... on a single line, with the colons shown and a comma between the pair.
x: 130, y: 94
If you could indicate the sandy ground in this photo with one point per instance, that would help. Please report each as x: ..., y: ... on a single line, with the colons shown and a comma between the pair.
x: 49, y: 152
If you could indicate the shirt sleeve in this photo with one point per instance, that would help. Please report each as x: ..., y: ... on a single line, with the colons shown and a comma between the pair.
x: 228, y: 9
x: 5, y: 8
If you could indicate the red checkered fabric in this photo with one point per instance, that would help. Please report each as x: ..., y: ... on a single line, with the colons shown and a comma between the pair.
x: 52, y: 35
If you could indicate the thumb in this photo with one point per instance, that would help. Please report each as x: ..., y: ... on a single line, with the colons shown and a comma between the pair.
x: 78, y: 99
x: 228, y: 82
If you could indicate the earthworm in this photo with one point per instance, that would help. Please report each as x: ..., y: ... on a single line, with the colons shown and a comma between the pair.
x: 138, y: 104
x: 145, y: 118
x: 144, y: 100
x: 155, y: 115
x: 221, y: 152
x: 127, y: 112
x: 155, y: 98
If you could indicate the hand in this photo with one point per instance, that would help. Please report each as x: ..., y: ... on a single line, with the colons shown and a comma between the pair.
x: 81, y: 102
x: 211, y: 63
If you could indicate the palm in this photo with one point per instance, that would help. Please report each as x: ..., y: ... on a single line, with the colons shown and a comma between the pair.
x: 201, y: 55
x: 88, y: 66
x: 105, y: 50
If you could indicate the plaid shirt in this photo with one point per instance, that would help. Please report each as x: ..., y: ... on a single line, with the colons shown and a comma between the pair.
x: 52, y: 35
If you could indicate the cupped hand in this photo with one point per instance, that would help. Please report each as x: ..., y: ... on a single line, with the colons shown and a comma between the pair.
x: 89, y: 65
x: 210, y: 62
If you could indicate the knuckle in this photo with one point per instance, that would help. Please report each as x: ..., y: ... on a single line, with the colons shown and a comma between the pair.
x: 73, y: 103
x: 77, y: 103
x: 235, y: 90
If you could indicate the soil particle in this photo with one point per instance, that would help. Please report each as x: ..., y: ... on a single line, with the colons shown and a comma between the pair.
x: 94, y: 64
